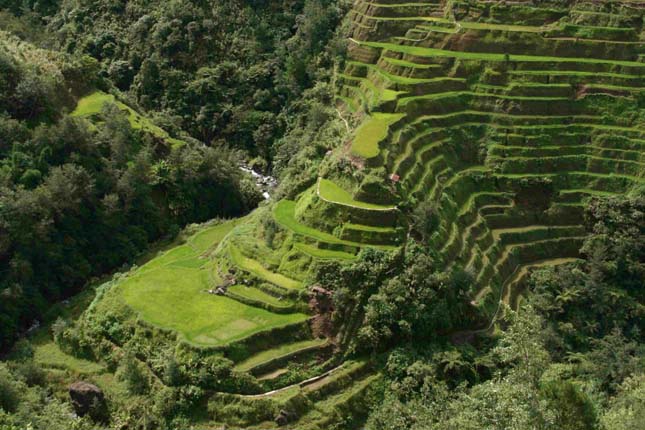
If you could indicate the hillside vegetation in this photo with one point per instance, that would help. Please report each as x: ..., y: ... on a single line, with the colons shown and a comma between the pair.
x: 457, y: 241
x: 76, y: 171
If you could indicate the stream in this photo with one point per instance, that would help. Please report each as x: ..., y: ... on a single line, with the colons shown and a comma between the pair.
x: 266, y: 184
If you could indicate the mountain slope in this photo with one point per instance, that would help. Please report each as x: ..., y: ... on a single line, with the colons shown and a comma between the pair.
x: 484, y: 127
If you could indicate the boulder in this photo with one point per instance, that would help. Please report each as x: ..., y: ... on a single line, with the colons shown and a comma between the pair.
x: 283, y: 418
x: 88, y: 399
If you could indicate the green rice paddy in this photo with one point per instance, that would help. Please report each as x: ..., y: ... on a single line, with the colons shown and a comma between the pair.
x: 323, y: 254
x: 277, y: 352
x: 256, y: 294
x: 493, y: 57
x: 373, y: 130
x: 171, y: 292
x: 329, y: 191
x: 255, y: 267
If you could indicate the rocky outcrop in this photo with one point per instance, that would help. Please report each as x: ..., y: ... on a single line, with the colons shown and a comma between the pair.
x: 88, y: 399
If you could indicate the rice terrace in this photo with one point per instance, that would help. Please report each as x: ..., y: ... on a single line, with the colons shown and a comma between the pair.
x: 456, y: 240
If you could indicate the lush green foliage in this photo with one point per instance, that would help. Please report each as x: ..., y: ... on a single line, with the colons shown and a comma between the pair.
x: 225, y: 71
x: 67, y: 185
x: 469, y: 256
x: 572, y: 357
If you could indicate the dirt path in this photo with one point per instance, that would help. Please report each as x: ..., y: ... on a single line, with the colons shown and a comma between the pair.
x: 315, y: 379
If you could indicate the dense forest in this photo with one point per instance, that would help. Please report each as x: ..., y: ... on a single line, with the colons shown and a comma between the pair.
x: 145, y: 283
x: 229, y: 109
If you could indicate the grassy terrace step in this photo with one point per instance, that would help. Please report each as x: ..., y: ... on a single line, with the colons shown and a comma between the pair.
x: 355, y: 94
x: 94, y: 103
x: 470, y: 234
x: 527, y: 89
x: 406, y: 150
x: 280, y: 352
x: 598, y: 33
x: 568, y: 77
x: 565, y: 163
x: 438, y: 186
x: 407, y: 166
x: 318, y: 386
x: 526, y: 233
x: 467, y: 214
x: 437, y: 97
x: 284, y: 215
x: 372, y: 131
x: 560, y: 213
x: 510, y: 226
x: 170, y: 292
x: 524, y: 123
x: 351, y: 104
x: 575, y: 195
x: 615, y: 88
x: 476, y: 117
x: 433, y: 19
x: 323, y: 254
x: 411, y: 149
x: 252, y: 294
x: 409, y: 64
x: 332, y: 409
x: 394, y: 78
x: 547, y: 244
x: 255, y: 267
x: 575, y: 73
x: 443, y: 23
x: 554, y: 150
x: 404, y: 4
x: 492, y: 57
x: 379, y: 95
x: 621, y: 146
x: 332, y: 193
x: 412, y: 84
x: 430, y: 175
x: 575, y: 176
x: 369, y: 234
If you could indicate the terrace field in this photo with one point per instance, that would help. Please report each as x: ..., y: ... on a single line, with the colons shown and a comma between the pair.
x: 504, y: 124
x: 171, y: 291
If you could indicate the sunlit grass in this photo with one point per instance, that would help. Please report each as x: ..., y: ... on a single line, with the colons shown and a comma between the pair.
x: 373, y: 130
x: 279, y: 351
x: 171, y: 292
x: 93, y: 104
x: 331, y: 192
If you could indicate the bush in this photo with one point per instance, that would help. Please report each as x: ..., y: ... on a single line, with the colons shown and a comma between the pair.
x: 134, y: 376
x: 10, y: 390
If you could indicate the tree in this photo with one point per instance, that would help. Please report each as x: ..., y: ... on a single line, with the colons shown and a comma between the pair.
x: 134, y: 376
x: 627, y: 410
x: 10, y: 390
x: 521, y: 345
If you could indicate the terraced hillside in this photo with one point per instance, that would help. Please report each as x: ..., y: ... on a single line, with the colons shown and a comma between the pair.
x: 508, y: 118
x: 503, y: 117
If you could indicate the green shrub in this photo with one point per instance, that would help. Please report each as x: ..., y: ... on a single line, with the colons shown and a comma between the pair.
x: 10, y: 390
x: 132, y: 373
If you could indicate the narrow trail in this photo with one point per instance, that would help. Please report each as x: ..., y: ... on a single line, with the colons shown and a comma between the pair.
x: 301, y: 384
x: 518, y: 270
x: 340, y: 115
